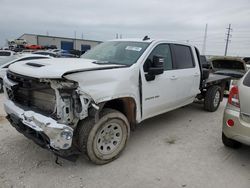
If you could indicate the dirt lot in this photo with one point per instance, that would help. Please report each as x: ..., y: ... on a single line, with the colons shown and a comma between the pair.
x: 178, y: 149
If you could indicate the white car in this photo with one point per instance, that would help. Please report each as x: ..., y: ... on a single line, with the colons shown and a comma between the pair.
x: 236, y: 120
x: 6, y: 53
x: 7, y: 61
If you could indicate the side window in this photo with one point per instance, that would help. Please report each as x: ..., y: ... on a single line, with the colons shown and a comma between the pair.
x: 162, y: 50
x: 183, y: 57
x: 246, y: 81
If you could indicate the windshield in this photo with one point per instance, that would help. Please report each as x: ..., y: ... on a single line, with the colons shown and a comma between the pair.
x: 117, y: 52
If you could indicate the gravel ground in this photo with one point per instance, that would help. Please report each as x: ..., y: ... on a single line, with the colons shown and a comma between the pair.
x: 181, y: 148
x: 2, y: 113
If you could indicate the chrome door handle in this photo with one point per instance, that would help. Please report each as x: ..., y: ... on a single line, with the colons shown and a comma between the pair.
x: 196, y: 74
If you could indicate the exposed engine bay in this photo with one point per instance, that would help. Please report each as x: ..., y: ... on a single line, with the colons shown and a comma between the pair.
x: 46, y: 111
x: 58, y: 99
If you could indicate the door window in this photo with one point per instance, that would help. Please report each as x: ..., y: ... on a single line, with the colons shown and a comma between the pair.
x: 162, y: 50
x: 183, y: 57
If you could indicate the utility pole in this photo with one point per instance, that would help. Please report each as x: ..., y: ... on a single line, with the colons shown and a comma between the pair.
x: 229, y: 29
x: 204, y: 42
x: 75, y: 41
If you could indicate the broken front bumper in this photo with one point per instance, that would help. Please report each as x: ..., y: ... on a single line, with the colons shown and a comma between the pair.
x: 43, y: 130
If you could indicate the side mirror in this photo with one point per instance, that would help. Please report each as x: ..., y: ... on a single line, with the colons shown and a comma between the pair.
x: 157, y: 66
x: 154, y: 68
x: 206, y: 65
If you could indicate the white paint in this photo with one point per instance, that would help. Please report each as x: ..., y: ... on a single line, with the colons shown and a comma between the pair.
x: 17, y: 58
x: 172, y: 89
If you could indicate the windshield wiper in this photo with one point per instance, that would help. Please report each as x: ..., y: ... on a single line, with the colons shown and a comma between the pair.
x: 108, y: 63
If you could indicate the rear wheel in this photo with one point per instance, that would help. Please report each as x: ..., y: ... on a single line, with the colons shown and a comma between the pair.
x: 230, y: 143
x: 212, y: 98
x: 105, y: 140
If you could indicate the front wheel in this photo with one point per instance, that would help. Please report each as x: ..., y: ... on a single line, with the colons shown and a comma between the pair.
x: 212, y: 98
x: 104, y: 140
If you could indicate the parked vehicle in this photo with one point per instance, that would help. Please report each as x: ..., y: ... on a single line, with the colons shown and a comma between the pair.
x: 67, y: 55
x: 5, y: 48
x: 17, y: 42
x: 6, y: 53
x: 55, y: 50
x: 90, y: 104
x: 230, y: 66
x: 6, y: 62
x: 50, y: 47
x: 33, y: 47
x: 76, y: 53
x: 56, y: 53
x: 247, y: 61
x: 27, y: 51
x: 236, y: 120
x: 18, y: 48
x: 47, y: 53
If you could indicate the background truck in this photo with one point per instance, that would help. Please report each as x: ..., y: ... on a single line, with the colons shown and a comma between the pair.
x: 89, y: 105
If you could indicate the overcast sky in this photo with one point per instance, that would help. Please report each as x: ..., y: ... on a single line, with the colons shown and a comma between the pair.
x: 182, y: 20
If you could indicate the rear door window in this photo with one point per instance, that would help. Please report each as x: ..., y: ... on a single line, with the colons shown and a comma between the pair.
x: 183, y: 57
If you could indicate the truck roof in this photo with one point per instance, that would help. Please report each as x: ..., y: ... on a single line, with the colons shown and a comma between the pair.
x: 152, y: 40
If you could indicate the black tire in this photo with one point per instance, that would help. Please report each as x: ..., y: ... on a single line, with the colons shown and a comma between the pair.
x: 211, y: 97
x: 230, y: 143
x: 1, y: 86
x: 90, y: 134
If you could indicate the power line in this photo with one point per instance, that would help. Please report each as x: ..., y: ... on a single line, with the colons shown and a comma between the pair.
x: 229, y: 29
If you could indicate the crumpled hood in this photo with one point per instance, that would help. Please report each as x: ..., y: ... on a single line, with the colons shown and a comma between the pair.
x: 57, y: 67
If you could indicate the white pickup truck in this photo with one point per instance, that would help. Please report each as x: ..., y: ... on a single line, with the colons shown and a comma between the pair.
x: 89, y: 105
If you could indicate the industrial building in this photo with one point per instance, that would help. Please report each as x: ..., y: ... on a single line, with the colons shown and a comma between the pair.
x: 60, y: 42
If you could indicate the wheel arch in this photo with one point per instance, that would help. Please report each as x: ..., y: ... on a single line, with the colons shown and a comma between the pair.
x: 125, y: 105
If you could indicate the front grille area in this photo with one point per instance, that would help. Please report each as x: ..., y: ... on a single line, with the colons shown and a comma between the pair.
x: 31, y: 93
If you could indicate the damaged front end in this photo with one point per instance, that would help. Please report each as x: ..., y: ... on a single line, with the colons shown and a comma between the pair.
x: 46, y: 111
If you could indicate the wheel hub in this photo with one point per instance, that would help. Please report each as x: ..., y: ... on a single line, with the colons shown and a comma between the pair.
x: 216, y: 98
x: 109, y: 138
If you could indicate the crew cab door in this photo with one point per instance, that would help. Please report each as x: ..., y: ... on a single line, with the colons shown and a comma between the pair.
x: 177, y: 85
x: 158, y: 93
x: 187, y: 73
